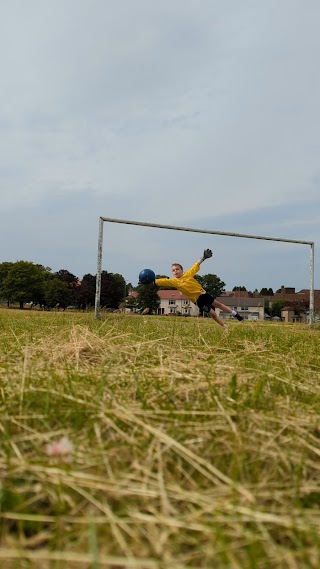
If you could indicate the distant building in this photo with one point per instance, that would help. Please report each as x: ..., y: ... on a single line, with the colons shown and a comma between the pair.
x: 237, y: 293
x: 288, y: 315
x: 173, y: 302
x: 249, y: 308
x: 284, y: 290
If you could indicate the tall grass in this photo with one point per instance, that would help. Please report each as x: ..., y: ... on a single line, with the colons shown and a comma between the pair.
x: 192, y: 447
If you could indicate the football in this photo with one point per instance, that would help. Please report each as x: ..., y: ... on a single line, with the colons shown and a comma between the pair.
x: 146, y: 276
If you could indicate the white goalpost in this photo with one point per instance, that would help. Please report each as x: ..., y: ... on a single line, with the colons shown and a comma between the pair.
x: 102, y: 220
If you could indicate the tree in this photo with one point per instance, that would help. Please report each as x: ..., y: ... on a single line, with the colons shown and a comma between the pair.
x: 299, y: 307
x: 4, y: 269
x: 57, y: 292
x: 276, y: 307
x: 86, y: 291
x: 211, y: 284
x: 122, y: 286
x: 129, y: 288
x: 266, y: 292
x: 239, y: 288
x: 24, y: 283
x: 148, y: 298
x: 112, y: 289
x: 67, y: 277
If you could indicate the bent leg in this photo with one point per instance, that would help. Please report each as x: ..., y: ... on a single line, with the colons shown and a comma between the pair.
x: 217, y: 319
x: 222, y: 307
x: 225, y: 308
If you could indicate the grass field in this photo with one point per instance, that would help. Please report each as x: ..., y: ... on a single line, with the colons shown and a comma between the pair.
x: 192, y: 447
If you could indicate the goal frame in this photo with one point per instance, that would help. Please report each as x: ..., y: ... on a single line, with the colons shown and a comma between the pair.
x: 102, y: 220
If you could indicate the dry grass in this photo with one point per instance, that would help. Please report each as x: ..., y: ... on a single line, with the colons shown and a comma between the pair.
x: 192, y: 447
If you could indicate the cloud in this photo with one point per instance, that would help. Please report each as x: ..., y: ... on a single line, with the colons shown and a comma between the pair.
x: 166, y: 112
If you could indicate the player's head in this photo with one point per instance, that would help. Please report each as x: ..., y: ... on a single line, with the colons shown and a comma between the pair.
x: 177, y: 270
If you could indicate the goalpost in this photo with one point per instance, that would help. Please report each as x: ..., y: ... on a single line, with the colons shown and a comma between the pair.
x: 205, y: 231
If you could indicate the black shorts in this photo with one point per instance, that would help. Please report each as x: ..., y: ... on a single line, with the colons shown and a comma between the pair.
x: 204, y: 302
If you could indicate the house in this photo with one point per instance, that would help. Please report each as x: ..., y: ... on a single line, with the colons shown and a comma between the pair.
x: 237, y: 293
x: 248, y: 308
x: 173, y: 302
x: 289, y: 315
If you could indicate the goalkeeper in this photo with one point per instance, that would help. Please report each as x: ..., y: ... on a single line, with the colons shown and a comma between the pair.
x: 185, y: 283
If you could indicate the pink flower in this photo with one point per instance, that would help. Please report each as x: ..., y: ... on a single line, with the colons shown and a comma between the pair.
x: 62, y: 448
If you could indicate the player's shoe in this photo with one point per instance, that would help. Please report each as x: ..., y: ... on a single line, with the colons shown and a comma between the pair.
x: 238, y: 317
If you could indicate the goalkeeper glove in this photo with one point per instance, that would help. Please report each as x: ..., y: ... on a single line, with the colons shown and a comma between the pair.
x: 207, y: 253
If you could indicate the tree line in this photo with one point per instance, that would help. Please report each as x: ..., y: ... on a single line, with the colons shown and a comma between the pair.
x: 25, y: 282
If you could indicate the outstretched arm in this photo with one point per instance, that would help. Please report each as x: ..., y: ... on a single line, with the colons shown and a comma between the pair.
x: 207, y: 253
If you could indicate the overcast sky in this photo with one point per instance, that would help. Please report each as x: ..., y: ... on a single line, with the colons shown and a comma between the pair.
x: 193, y: 113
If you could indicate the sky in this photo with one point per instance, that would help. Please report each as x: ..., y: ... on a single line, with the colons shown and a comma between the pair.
x: 191, y: 113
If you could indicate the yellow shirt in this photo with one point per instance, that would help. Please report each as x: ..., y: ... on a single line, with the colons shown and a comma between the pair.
x: 186, y: 284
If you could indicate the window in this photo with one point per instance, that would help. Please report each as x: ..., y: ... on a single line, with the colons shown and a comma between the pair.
x: 172, y: 302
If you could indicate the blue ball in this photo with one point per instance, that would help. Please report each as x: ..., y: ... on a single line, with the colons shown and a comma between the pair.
x: 146, y: 276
